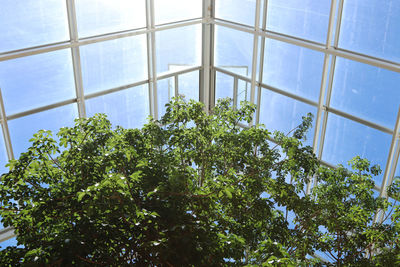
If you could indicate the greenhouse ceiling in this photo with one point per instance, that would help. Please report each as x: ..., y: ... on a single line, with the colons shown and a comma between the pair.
x: 339, y: 59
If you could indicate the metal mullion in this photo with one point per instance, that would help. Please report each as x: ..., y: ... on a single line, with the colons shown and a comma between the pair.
x: 116, y: 89
x: 6, y: 233
x: 255, y: 54
x: 179, y: 72
x: 212, y: 52
x: 76, y: 61
x: 206, y: 54
x: 359, y: 120
x: 4, y: 127
x: 235, y: 92
x: 324, y: 78
x: 151, y: 69
x: 262, y: 55
x: 176, y: 85
x: 153, y: 62
x: 233, y: 74
x: 390, y: 166
x: 290, y: 95
x: 331, y: 75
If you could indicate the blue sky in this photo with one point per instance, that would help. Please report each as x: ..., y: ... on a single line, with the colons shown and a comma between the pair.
x: 371, y: 27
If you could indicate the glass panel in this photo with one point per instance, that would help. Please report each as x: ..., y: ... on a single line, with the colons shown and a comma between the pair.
x: 188, y: 85
x: 293, y: 68
x: 114, y: 63
x: 96, y: 17
x: 223, y: 86
x: 38, y: 80
x: 371, y: 27
x: 278, y: 112
x: 366, y: 91
x: 345, y: 139
x: 176, y: 10
x: 240, y: 11
x: 306, y: 19
x: 127, y: 108
x: 233, y: 50
x: 22, y: 129
x: 165, y: 91
x: 9, y: 242
x: 178, y: 46
x: 31, y: 23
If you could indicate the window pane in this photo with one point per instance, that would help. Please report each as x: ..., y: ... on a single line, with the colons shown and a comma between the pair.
x: 165, y: 91
x: 9, y: 242
x: 223, y: 86
x: 176, y: 10
x: 233, y: 50
x: 22, y: 129
x: 31, y: 23
x: 366, y: 91
x: 306, y: 19
x: 371, y: 27
x: 293, y: 68
x: 127, y: 108
x: 38, y: 80
x: 188, y: 85
x: 345, y: 139
x: 96, y: 17
x: 178, y: 46
x: 240, y: 11
x: 278, y: 112
x: 114, y: 63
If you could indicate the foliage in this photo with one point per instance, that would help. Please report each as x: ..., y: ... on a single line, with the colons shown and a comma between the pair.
x: 189, y: 190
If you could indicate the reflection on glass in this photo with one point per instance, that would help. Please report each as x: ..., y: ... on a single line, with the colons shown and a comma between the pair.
x: 22, y: 129
x: 293, y: 68
x: 223, y: 86
x: 114, y: 63
x: 233, y: 50
x: 366, y: 91
x: 346, y: 139
x: 165, y: 92
x: 38, y: 80
x: 178, y: 46
x: 239, y: 11
x: 305, y: 19
x: 96, y: 17
x: 188, y: 85
x: 127, y: 108
x: 31, y: 23
x: 278, y: 112
x: 176, y: 10
x: 371, y: 27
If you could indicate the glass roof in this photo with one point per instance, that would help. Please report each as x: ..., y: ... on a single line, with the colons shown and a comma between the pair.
x: 338, y: 59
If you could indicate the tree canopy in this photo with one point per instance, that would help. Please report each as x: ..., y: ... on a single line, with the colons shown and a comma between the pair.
x: 192, y: 189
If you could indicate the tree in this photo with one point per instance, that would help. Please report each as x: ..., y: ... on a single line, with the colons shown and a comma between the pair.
x: 189, y: 190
